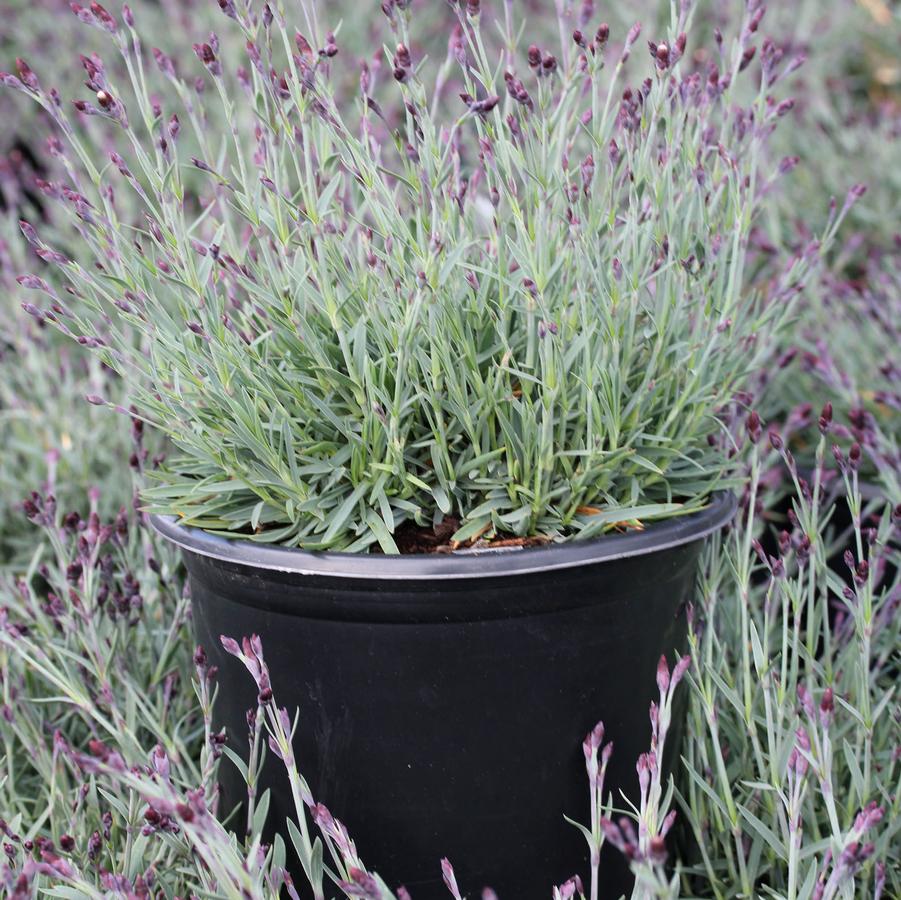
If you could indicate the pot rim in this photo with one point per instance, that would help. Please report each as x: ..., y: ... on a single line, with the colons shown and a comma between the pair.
x: 468, y: 564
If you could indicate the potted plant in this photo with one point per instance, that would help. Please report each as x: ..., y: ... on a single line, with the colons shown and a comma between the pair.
x: 446, y: 372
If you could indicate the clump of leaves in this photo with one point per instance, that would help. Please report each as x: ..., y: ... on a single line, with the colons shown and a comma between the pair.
x: 523, y: 307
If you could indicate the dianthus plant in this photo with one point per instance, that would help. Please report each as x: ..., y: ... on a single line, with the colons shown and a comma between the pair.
x: 516, y: 297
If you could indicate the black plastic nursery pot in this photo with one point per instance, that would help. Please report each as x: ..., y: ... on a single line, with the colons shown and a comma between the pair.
x: 443, y: 698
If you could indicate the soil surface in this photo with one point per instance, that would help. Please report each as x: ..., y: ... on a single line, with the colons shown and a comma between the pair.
x: 413, y: 538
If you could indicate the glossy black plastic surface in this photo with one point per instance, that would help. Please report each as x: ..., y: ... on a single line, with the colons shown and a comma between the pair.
x: 443, y: 716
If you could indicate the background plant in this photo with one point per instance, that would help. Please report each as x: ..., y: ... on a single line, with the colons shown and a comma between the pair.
x: 790, y: 768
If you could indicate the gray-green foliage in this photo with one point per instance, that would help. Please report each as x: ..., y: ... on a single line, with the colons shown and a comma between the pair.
x: 789, y: 772
x: 527, y: 314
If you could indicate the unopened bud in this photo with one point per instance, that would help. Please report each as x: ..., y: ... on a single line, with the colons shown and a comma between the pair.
x: 754, y: 427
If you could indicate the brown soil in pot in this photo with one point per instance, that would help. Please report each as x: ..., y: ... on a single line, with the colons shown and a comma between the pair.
x: 413, y: 538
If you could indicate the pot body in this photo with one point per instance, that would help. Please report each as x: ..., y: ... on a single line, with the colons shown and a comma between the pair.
x: 443, y: 717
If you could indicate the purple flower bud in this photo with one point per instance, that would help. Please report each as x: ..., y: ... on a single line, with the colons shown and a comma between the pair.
x: 593, y: 740
x: 29, y: 79
x: 447, y: 873
x: 794, y: 64
x: 754, y: 24
x: 587, y: 171
x: 839, y: 457
x: 785, y: 107
x: 586, y: 11
x: 657, y: 850
x: 208, y: 57
x: 680, y: 669
x: 660, y: 53
x: 663, y: 676
x: 330, y: 50
x: 869, y: 817
x: 827, y: 706
x: 788, y: 163
x: 82, y: 14
x: 480, y: 107
x: 854, y: 194
x: 160, y: 762
x: 753, y: 426
x: 11, y: 81
x: 402, y: 57
x: 164, y: 63
x: 33, y: 283
x: 103, y: 18
x: 30, y: 234
x: 631, y: 38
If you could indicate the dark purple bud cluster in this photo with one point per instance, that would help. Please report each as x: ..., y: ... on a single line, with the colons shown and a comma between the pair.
x: 40, y: 248
x: 207, y: 56
x: 28, y: 78
x: 96, y: 15
x: 250, y: 652
x: 542, y: 64
x: 330, y: 49
x: 631, y: 38
x: 157, y: 820
x: 403, y: 63
x: 754, y: 427
x: 40, y: 510
x: 480, y: 107
x: 517, y: 90
x: 666, y: 56
x: 164, y: 63
x: 546, y: 327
